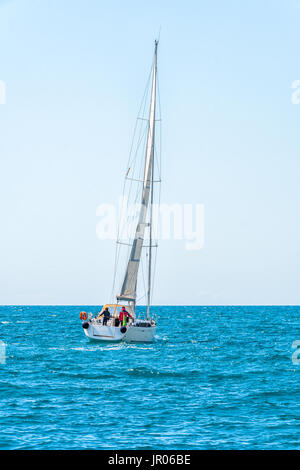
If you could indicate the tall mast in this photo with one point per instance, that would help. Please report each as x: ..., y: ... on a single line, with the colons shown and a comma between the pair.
x: 128, y: 291
x: 150, y: 236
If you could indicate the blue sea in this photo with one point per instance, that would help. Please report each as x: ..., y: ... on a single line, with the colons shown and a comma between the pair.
x: 215, y: 378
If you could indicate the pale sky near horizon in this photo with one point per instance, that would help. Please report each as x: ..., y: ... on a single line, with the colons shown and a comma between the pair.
x: 75, y: 72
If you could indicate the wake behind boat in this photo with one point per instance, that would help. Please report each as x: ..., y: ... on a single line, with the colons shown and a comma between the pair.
x: 118, y: 321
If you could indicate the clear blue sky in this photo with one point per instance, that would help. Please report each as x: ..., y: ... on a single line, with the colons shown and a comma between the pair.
x: 75, y: 72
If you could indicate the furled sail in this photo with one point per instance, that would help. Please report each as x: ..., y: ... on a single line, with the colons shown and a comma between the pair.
x: 128, y: 291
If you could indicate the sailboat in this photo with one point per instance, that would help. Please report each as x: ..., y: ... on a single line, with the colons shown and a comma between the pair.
x: 129, y: 327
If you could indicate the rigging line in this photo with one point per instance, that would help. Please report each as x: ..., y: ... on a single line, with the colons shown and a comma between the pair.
x: 155, y: 260
x: 139, y: 112
x: 160, y: 127
x: 142, y: 148
x: 133, y: 165
x: 142, y: 107
x: 141, y: 181
x: 135, y: 199
x: 153, y: 276
x: 144, y: 246
x: 119, y: 230
x: 135, y: 156
x: 144, y: 283
x: 156, y: 251
x: 133, y: 160
x: 140, y: 139
x: 136, y: 143
x: 141, y: 165
x: 117, y: 250
x: 140, y: 298
x: 147, y: 119
x: 155, y: 256
x: 145, y: 103
x: 157, y: 165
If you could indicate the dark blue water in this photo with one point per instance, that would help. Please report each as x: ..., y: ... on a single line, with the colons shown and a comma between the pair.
x: 216, y: 378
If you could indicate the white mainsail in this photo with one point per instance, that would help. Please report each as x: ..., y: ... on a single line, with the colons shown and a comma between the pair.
x: 129, y: 286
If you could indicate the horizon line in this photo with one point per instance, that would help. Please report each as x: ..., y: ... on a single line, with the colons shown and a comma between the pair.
x: 154, y: 305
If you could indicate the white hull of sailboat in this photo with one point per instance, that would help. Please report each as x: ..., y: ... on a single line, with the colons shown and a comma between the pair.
x: 113, y: 334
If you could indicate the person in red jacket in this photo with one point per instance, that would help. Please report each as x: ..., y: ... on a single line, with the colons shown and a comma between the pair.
x: 124, y: 316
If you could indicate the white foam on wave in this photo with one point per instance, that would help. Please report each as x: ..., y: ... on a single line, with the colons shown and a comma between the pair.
x: 58, y: 349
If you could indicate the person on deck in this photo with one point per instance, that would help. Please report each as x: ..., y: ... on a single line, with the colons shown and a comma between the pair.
x: 106, y: 316
x: 124, y: 316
